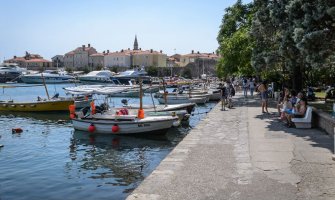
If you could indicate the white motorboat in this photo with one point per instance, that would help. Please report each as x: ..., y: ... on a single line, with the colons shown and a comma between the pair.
x: 10, y: 72
x: 215, y: 95
x: 133, y: 74
x: 135, y: 92
x: 103, y: 76
x: 183, y: 111
x: 49, y: 76
x: 124, y: 124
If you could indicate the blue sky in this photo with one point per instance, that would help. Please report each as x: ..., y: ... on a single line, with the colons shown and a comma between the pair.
x: 55, y: 27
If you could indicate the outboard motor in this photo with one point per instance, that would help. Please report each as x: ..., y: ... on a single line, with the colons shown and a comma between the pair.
x: 55, y: 96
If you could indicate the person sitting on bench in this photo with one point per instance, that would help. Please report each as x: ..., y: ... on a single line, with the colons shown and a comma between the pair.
x: 298, y: 111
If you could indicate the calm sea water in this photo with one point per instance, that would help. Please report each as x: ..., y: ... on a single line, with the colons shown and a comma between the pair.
x: 49, y: 160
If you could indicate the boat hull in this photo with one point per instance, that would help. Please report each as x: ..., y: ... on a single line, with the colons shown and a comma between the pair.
x: 125, y: 79
x: 171, y: 100
x: 189, y: 107
x: 37, y: 106
x: 39, y: 79
x: 95, y: 80
x: 138, y: 126
x: 126, y: 94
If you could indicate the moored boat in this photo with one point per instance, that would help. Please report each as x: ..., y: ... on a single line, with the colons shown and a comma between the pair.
x: 48, y: 76
x: 10, y: 72
x: 36, y: 106
x: 133, y: 74
x: 125, y: 124
x: 103, y: 76
x: 189, y: 107
x: 182, y: 99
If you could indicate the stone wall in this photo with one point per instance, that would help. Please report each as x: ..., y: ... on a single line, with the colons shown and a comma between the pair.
x: 324, y: 121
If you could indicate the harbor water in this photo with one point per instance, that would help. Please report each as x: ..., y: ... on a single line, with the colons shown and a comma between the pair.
x: 49, y: 160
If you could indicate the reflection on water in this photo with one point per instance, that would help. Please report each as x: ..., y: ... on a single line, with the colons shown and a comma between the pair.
x: 120, y: 161
x: 44, y: 116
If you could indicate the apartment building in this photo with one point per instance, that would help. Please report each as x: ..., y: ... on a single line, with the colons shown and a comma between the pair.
x: 200, y: 63
x: 135, y: 57
x: 58, y: 61
x: 96, y: 60
x: 118, y: 59
x: 79, y: 58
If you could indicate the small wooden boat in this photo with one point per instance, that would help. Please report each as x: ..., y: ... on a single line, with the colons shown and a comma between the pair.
x: 121, y: 122
x: 183, y: 115
x: 36, y: 106
x: 124, y: 124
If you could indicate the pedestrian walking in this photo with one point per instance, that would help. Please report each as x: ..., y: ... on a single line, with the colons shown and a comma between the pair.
x: 252, y: 87
x: 262, y: 88
x: 245, y: 87
x: 224, y: 95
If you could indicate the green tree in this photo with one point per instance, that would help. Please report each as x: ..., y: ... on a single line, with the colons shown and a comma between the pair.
x: 187, y: 73
x: 152, y: 71
x: 296, y: 36
x: 235, y: 41
x: 114, y: 69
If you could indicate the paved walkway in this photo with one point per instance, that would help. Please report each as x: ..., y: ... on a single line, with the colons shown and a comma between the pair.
x: 243, y: 154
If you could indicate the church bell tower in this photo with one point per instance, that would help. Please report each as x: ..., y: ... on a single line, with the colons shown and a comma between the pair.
x: 135, y: 43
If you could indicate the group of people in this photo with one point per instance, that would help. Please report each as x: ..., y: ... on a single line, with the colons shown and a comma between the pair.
x: 248, y: 84
x: 227, y: 92
x: 291, y: 105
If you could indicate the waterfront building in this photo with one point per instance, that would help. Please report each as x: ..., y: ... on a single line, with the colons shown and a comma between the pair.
x: 200, y: 63
x: 173, y: 63
x: 135, y: 57
x: 58, y: 61
x: 79, y: 58
x: 31, y: 61
x: 149, y: 58
x: 96, y: 60
x: 120, y: 59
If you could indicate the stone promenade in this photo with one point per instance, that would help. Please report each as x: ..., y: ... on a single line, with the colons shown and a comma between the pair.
x: 244, y: 154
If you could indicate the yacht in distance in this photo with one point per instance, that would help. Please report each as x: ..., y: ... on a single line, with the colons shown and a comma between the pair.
x: 133, y: 74
x: 10, y: 72
x: 49, y: 76
x: 103, y: 76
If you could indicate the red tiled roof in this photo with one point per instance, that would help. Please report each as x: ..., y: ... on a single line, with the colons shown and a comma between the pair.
x: 17, y: 59
x: 124, y: 53
x: 97, y: 54
x: 134, y: 52
x: 37, y: 60
x: 201, y: 55
x: 86, y: 48
x: 70, y: 53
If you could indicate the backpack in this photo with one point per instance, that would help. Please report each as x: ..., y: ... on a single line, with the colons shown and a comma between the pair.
x: 224, y: 91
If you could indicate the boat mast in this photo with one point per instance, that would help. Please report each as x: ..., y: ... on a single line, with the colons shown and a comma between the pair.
x: 141, y: 93
x: 140, y: 114
x: 164, y: 94
x: 45, y: 86
x: 203, y: 66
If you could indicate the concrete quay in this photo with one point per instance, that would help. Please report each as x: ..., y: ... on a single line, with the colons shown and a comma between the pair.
x: 244, y: 154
